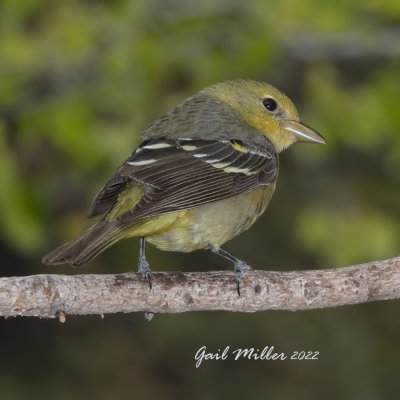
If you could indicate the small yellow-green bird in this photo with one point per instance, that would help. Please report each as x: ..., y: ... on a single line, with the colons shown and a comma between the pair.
x: 203, y: 173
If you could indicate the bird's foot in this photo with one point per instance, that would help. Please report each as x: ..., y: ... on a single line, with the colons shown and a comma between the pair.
x: 145, y: 271
x: 240, y: 268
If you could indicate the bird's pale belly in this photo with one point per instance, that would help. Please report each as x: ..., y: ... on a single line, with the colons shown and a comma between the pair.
x: 213, y: 223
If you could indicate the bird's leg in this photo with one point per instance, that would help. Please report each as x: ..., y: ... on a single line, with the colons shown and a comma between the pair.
x: 143, y: 265
x: 239, y: 266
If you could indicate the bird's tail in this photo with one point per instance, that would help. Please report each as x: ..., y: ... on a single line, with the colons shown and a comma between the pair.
x: 83, y: 249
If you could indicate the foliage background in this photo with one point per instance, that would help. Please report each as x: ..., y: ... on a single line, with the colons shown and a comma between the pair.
x: 79, y: 81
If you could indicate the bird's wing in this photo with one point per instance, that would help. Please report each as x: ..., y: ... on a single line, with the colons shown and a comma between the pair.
x: 185, y: 173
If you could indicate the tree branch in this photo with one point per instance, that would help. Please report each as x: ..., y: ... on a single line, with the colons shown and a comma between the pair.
x: 52, y: 296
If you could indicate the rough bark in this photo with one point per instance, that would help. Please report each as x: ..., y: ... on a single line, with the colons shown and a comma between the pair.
x: 52, y: 296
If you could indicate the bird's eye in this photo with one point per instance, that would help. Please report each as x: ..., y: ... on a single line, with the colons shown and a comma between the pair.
x: 270, y: 104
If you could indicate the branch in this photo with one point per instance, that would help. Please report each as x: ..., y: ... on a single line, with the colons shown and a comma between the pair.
x: 50, y: 296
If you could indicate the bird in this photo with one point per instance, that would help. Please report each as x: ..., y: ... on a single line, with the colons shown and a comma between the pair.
x: 202, y: 174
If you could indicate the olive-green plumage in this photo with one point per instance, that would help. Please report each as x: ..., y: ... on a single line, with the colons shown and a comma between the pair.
x: 203, y: 173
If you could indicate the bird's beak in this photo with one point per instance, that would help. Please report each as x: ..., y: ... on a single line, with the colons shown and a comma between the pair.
x: 302, y: 132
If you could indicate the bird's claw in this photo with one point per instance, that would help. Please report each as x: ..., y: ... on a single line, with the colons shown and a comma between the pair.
x: 149, y: 276
x: 239, y: 266
x: 145, y: 271
x: 239, y: 269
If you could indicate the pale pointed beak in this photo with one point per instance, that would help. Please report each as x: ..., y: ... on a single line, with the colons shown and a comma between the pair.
x: 303, y: 132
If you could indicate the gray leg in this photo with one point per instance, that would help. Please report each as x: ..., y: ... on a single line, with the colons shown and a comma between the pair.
x: 143, y: 265
x: 239, y: 266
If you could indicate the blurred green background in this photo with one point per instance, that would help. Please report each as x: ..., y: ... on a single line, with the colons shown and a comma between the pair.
x: 79, y: 81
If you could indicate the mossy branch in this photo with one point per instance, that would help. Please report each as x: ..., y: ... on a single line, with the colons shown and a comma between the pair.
x: 49, y: 296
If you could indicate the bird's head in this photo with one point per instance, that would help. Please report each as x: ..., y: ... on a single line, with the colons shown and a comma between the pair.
x: 268, y: 110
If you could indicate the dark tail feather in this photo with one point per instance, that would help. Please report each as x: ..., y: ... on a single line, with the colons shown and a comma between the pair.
x: 86, y: 247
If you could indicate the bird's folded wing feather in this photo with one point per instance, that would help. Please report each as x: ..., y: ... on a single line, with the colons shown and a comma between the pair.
x: 186, y: 173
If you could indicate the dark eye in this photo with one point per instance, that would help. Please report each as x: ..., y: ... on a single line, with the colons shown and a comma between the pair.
x: 270, y: 104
